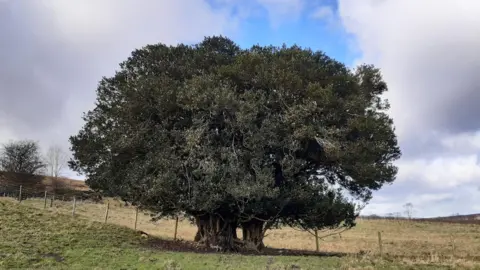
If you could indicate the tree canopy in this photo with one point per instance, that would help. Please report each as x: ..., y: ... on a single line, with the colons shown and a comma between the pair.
x: 232, y: 137
x: 21, y: 157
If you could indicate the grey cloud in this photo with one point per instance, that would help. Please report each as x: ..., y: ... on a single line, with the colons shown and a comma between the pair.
x: 443, y: 82
x: 28, y: 93
x: 428, y: 53
x: 422, y: 147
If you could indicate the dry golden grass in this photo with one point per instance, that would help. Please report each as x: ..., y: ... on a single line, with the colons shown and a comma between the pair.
x: 413, y: 242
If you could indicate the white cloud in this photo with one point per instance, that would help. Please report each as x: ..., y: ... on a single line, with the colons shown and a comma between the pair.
x: 463, y: 142
x: 96, y: 23
x: 424, y: 205
x: 324, y: 13
x: 381, y: 208
x: 283, y: 10
x: 429, y: 198
x: 441, y: 172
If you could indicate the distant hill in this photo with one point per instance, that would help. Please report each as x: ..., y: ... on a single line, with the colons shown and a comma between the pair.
x: 459, y: 217
x: 465, y: 219
x: 38, y: 184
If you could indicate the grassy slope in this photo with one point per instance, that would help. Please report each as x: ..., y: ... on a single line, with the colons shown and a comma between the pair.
x: 37, y: 239
x: 427, y: 241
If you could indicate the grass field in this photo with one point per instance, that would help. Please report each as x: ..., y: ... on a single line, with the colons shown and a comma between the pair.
x: 52, y: 239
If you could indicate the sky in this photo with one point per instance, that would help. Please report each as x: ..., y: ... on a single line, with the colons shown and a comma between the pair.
x: 54, y: 52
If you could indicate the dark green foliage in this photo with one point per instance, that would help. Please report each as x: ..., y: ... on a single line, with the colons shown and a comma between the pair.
x: 234, y: 137
x: 21, y: 157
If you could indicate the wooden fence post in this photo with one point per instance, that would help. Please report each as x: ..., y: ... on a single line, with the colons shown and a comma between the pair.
x: 136, y: 218
x: 74, y: 205
x: 452, y: 240
x: 20, y: 194
x: 45, y: 200
x: 176, y: 229
x: 380, y: 248
x: 106, y: 212
x: 317, y: 246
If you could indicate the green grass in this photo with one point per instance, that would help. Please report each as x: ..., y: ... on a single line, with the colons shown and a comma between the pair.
x: 33, y: 238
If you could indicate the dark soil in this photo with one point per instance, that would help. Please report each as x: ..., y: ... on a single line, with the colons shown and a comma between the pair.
x: 193, y: 247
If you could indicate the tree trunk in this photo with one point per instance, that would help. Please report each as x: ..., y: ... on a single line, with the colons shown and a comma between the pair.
x: 200, y: 229
x: 216, y: 233
x: 253, y: 233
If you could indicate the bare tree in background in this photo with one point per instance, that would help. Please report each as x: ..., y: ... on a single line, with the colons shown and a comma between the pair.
x: 408, y: 210
x: 56, y: 160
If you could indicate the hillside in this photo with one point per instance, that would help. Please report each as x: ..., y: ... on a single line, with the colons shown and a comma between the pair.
x: 39, y: 239
x: 10, y: 182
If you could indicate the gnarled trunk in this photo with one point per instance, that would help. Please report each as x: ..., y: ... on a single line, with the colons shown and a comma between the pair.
x: 253, y: 233
x: 216, y: 233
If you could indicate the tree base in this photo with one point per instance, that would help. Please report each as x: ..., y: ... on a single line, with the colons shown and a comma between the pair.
x: 253, y: 234
x: 215, y: 233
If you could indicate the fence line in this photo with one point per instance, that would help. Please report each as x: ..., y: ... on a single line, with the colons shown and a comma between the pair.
x: 74, y: 201
x: 22, y: 193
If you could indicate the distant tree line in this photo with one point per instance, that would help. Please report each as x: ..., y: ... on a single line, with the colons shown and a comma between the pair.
x: 25, y: 156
